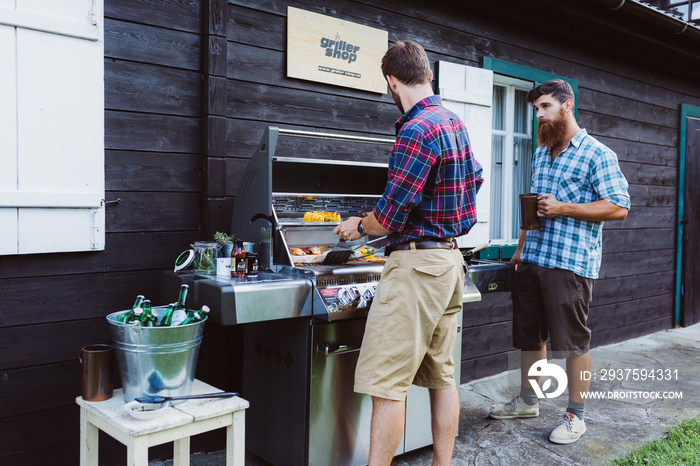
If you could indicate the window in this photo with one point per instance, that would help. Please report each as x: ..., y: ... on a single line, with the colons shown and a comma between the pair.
x: 513, y: 140
x: 511, y: 155
x: 491, y: 102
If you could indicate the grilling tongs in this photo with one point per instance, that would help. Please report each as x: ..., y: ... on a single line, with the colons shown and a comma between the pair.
x: 162, y: 399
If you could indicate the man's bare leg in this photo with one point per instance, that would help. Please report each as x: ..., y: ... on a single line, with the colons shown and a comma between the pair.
x: 444, y: 409
x: 387, y: 426
x: 527, y: 359
x: 577, y: 383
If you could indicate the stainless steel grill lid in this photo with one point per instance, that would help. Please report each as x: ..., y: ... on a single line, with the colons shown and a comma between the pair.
x: 277, y: 191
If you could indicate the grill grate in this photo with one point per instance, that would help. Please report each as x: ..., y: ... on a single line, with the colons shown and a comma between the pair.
x: 300, y: 204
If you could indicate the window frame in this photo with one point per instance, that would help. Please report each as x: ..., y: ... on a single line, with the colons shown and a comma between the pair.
x: 506, y: 218
x: 526, y: 73
x: 537, y: 77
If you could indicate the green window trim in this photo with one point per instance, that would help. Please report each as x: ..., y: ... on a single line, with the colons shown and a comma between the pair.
x: 529, y: 74
x: 506, y: 251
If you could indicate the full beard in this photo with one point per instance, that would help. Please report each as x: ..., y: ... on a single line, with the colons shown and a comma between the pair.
x: 397, y: 100
x: 551, y: 134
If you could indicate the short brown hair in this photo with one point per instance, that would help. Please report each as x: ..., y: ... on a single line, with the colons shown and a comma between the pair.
x: 558, y: 88
x: 406, y: 61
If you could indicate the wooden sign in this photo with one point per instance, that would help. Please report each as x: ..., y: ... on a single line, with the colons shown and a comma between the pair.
x: 329, y: 50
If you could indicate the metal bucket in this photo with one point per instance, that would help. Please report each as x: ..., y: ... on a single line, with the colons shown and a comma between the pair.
x: 156, y: 360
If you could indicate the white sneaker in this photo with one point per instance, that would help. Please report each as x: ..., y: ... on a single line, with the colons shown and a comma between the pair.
x: 569, y: 430
x: 516, y: 408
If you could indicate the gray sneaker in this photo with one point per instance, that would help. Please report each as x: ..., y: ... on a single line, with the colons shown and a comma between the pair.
x: 516, y: 408
x: 569, y: 430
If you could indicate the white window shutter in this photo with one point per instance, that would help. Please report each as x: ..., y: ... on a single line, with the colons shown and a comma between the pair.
x: 52, y: 130
x: 468, y: 91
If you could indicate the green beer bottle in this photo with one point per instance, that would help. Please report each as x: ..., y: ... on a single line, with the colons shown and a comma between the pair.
x: 147, y: 317
x: 127, y: 315
x: 182, y: 297
x: 136, y: 316
x: 138, y: 302
x: 167, y: 319
x: 196, y: 316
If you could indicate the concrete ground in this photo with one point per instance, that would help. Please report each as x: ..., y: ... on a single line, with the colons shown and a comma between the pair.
x: 633, y: 412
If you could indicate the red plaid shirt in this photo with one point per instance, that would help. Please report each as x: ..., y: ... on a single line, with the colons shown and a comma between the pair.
x: 433, y: 177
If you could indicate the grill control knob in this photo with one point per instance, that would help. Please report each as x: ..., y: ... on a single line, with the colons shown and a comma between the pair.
x: 349, y: 297
x: 368, y: 296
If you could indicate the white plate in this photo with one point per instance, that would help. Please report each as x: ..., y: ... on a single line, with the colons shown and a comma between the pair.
x: 145, y: 411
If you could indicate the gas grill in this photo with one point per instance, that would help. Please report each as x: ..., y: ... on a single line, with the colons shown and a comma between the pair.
x: 275, y: 194
x: 305, y: 320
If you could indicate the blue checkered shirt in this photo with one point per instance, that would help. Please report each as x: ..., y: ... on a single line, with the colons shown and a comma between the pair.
x: 586, y: 171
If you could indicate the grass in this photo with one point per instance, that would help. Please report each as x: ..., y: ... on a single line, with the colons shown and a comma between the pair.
x: 680, y: 447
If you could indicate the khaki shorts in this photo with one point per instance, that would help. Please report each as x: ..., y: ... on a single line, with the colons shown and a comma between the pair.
x: 412, y: 324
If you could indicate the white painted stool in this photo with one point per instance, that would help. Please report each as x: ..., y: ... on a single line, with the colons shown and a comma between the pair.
x: 176, y: 425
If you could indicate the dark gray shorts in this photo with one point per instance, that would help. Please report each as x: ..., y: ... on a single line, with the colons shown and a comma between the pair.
x: 551, y: 303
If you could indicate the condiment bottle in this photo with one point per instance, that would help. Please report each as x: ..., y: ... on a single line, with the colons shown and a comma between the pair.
x: 238, y: 260
x: 252, y: 264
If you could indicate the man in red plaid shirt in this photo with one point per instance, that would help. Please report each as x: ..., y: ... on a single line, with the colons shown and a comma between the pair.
x: 429, y: 199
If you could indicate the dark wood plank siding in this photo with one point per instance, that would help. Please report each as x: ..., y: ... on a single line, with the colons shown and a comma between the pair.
x: 53, y: 304
x: 157, y: 138
x: 630, y: 103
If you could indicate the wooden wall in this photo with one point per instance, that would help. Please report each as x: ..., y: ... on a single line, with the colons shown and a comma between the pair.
x: 53, y: 304
x: 629, y: 98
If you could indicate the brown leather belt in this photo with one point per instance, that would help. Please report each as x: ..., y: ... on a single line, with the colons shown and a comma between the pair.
x: 428, y: 244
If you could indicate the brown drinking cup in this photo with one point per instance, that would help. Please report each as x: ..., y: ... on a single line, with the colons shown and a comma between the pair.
x: 97, y: 372
x: 528, y: 211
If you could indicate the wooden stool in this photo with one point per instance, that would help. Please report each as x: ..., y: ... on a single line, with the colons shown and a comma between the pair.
x: 176, y: 425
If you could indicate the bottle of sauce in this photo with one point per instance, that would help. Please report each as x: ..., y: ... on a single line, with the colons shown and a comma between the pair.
x: 238, y: 264
x: 252, y: 264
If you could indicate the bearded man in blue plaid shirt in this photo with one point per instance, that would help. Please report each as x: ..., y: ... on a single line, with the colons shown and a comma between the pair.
x: 580, y: 186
